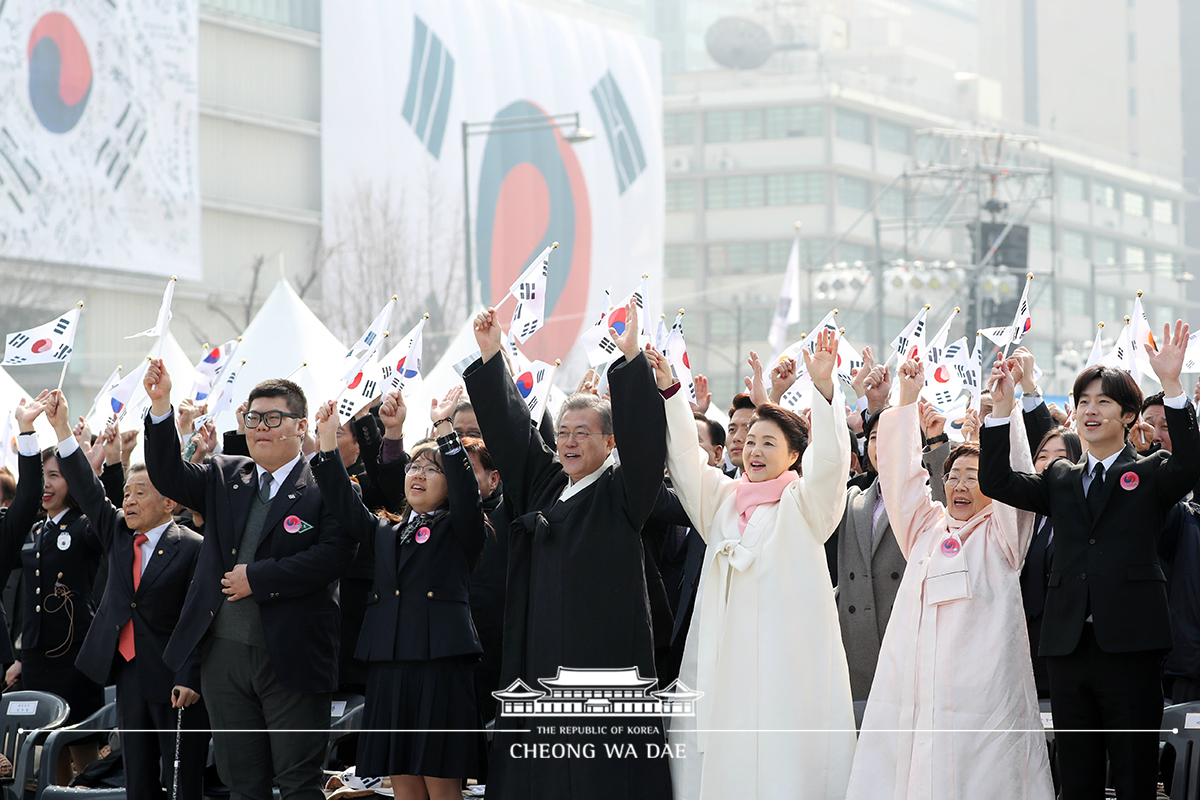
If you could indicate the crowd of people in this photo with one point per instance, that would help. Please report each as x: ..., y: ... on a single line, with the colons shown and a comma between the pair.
x: 862, y: 607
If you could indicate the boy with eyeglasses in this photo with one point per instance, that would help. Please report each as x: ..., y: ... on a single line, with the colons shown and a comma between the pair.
x: 269, y: 567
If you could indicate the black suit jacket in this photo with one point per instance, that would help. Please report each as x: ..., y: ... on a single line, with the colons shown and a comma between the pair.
x: 419, y: 605
x: 1108, y: 563
x: 15, y: 523
x: 154, y: 607
x: 293, y: 576
x: 52, y: 573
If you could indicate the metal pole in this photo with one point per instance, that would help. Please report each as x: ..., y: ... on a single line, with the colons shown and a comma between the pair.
x: 880, y: 308
x: 737, y: 348
x: 469, y: 272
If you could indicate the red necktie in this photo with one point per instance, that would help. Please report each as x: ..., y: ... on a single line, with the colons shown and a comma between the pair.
x: 125, y: 643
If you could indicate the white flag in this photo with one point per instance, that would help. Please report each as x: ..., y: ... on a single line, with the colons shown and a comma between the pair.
x: 600, y: 346
x: 114, y: 380
x: 849, y: 359
x: 660, y: 334
x: 113, y: 402
x: 50, y: 343
x: 1002, y: 336
x: 1142, y: 334
x: 530, y: 291
x: 9, y: 441
x: 944, y: 383
x: 361, y: 391
x: 533, y: 384
x: 402, y: 365
x: 221, y: 396
x: 1121, y: 356
x: 676, y: 353
x: 1191, y: 357
x: 787, y: 307
x: 209, y: 367
x: 965, y: 365
x: 910, y: 342
x: 368, y: 344
x: 164, y: 313
x: 797, y: 397
x: 809, y: 342
x: 1022, y: 321
x: 1097, y: 354
x: 937, y: 344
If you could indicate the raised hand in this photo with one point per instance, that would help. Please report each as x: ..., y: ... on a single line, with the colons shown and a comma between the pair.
x: 157, y: 382
x: 327, y: 426
x: 241, y: 417
x: 589, y: 382
x: 878, y: 387
x: 487, y: 334
x: 933, y: 422
x: 392, y: 413
x: 59, y: 415
x: 445, y: 409
x: 627, y: 340
x: 110, y: 443
x: 128, y: 443
x: 1167, y: 363
x: 1141, y: 435
x: 912, y: 380
x: 970, y: 429
x: 1020, y: 365
x: 185, y: 416
x: 860, y: 375
x: 821, y: 363
x: 756, y: 386
x: 25, y: 413
x: 83, y: 432
x: 205, y: 439
x: 662, y: 369
x: 704, y: 397
x: 783, y: 375
x: 1002, y: 387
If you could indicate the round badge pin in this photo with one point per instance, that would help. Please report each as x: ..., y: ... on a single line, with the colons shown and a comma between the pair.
x: 1129, y: 481
x: 292, y: 524
x: 950, y: 547
x: 64, y: 541
x: 422, y: 535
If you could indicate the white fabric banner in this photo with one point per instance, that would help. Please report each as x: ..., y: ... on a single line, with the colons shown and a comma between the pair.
x: 393, y: 107
x: 99, y: 158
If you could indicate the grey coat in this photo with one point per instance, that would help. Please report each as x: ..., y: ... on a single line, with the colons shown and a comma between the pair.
x: 869, y: 575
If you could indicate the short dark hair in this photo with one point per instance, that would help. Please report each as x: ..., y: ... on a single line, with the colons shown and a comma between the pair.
x: 291, y: 393
x: 964, y: 449
x: 1115, y: 383
x: 1153, y: 400
x: 1070, y: 442
x: 741, y: 402
x: 8, y: 485
x: 716, y: 433
x: 475, y: 447
x: 790, y: 423
x: 463, y: 404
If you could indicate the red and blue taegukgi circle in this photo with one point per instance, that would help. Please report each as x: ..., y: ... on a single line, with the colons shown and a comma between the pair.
x: 60, y: 72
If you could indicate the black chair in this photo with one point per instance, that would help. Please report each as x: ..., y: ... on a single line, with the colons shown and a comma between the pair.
x: 345, y: 719
x: 27, y: 718
x: 103, y: 720
x: 1181, y: 737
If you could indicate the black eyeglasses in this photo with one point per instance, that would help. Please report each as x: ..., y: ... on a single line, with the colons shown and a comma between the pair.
x: 273, y: 419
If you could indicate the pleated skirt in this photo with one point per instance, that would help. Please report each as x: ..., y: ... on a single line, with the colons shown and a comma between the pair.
x: 421, y: 718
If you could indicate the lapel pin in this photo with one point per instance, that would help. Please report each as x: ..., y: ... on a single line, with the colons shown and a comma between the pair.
x: 291, y: 497
x: 1129, y: 481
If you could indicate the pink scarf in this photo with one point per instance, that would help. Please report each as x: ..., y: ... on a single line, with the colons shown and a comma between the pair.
x: 752, y: 494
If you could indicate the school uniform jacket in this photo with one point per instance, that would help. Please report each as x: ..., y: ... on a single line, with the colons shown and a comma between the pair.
x: 15, y: 523
x: 419, y: 606
x: 1109, y: 560
x: 64, y: 555
x: 293, y: 574
x: 154, y: 607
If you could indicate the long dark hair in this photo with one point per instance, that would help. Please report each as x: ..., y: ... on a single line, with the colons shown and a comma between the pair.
x: 52, y: 452
x: 1070, y: 442
x: 792, y: 425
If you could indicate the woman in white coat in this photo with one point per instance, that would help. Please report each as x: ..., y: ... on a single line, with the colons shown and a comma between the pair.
x: 775, y: 718
x: 953, y: 712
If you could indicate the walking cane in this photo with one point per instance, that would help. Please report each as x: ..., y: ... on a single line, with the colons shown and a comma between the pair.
x: 178, y: 738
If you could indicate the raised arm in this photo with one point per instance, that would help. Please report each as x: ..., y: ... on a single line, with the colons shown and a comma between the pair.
x: 22, y: 513
x: 639, y: 426
x: 175, y: 478
x: 334, y: 482
x: 997, y: 480
x: 81, y: 480
x: 466, y: 506
x: 1179, y: 473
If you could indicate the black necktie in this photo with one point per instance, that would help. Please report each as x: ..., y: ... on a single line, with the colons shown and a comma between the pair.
x: 264, y: 491
x: 1094, y: 491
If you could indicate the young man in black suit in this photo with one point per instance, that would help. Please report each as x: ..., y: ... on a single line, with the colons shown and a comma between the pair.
x: 264, y: 602
x: 1106, y: 626
x: 151, y: 561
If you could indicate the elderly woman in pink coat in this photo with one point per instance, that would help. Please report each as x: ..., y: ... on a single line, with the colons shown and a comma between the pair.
x: 953, y: 712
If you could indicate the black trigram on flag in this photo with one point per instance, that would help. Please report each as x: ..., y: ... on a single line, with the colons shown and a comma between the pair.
x: 790, y: 398
x: 608, y: 345
x: 62, y: 325
x: 63, y: 352
x: 17, y: 360
x: 18, y: 340
x: 346, y: 406
x: 943, y: 397
x: 368, y: 388
x: 387, y: 371
x: 528, y: 291
x: 528, y: 328
x: 369, y: 338
x: 532, y: 402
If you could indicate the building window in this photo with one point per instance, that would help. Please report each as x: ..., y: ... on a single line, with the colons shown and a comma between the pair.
x: 892, y: 202
x: 302, y: 14
x: 1164, y: 211
x: 1107, y: 308
x: 755, y: 191
x: 1164, y: 262
x: 1074, y: 243
x: 1106, y: 250
x: 853, y: 192
x: 1074, y: 300
x: 1105, y: 194
x: 853, y: 126
x: 679, y: 129
x: 1133, y: 101
x: 748, y: 258
x: 681, y: 195
x: 1134, y: 203
x: 852, y: 252
x: 894, y: 137
x: 723, y: 325
x: 1073, y: 187
x: 785, y: 122
x: 1039, y: 236
x: 679, y: 260
x: 1135, y: 258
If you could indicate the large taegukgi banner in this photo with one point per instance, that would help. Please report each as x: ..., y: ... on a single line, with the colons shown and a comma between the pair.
x: 99, y: 154
x: 399, y: 78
